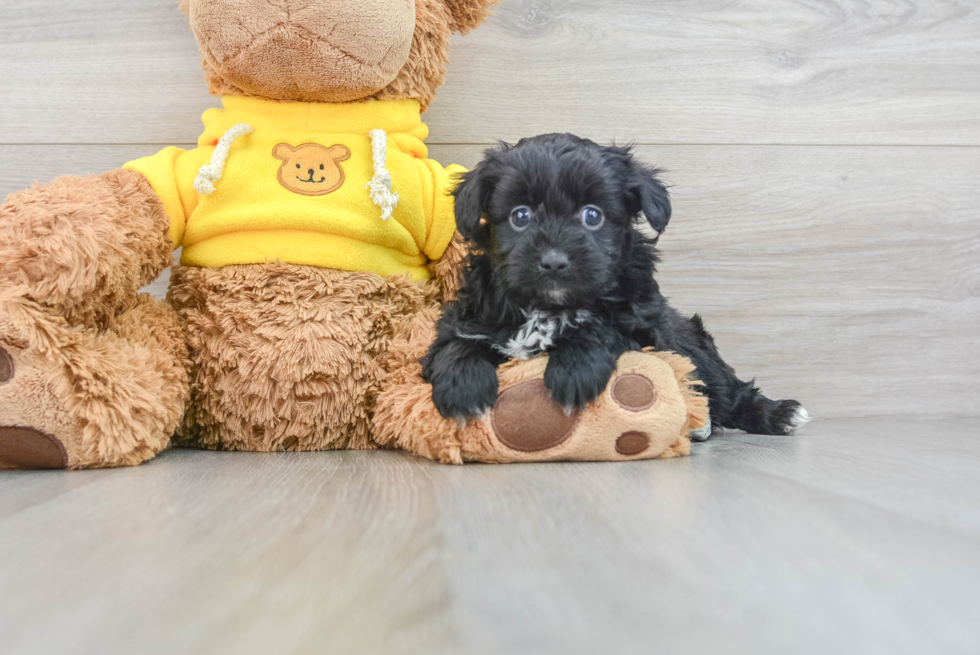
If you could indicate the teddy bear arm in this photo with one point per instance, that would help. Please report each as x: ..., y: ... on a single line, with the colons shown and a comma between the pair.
x: 171, y: 174
x: 92, y: 373
x: 441, y: 222
x: 444, y: 246
x: 447, y: 271
x: 83, y: 246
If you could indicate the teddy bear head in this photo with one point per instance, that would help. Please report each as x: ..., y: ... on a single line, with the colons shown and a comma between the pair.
x: 329, y: 50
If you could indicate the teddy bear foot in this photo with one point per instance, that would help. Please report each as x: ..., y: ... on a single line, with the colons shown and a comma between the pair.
x: 73, y: 397
x: 34, y: 432
x: 26, y: 448
x: 647, y: 411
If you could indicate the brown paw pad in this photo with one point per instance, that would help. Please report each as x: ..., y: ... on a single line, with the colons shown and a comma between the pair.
x: 6, y: 366
x: 634, y: 392
x: 632, y: 443
x: 526, y: 418
x: 26, y: 448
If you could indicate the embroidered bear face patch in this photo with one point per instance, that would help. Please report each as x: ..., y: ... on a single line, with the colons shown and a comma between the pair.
x: 311, y: 169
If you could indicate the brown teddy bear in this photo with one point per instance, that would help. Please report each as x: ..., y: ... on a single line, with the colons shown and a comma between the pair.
x: 318, y: 241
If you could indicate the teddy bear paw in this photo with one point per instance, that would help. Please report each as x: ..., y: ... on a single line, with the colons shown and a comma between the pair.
x: 35, y: 431
x: 646, y: 411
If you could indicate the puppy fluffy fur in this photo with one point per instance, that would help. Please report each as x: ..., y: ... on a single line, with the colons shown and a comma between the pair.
x: 559, y: 265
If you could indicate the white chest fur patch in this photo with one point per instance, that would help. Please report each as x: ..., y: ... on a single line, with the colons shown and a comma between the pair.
x: 539, y: 332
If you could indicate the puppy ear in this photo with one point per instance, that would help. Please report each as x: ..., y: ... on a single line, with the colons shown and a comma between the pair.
x: 649, y: 196
x: 473, y: 200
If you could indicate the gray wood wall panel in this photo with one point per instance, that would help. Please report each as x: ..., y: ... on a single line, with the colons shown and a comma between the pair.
x: 848, y: 277
x: 846, y: 274
x: 702, y: 71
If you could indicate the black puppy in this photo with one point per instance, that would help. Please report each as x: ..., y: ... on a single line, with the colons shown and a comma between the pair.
x: 559, y: 265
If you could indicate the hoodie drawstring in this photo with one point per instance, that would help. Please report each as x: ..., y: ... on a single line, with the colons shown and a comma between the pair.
x: 211, y: 173
x: 380, y: 185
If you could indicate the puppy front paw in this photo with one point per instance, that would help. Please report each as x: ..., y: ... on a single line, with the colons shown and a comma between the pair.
x: 467, y: 390
x: 575, y: 379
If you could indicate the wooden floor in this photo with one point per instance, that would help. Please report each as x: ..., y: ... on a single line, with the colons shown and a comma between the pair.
x: 857, y: 536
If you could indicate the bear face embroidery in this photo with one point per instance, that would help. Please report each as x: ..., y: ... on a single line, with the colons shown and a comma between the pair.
x: 311, y: 169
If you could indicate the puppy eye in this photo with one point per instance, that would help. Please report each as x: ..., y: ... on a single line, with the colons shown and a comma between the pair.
x: 321, y: 167
x: 592, y: 217
x: 520, y: 218
x: 298, y: 166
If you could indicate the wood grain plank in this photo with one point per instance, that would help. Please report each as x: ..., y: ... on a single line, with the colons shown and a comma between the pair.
x: 752, y: 545
x: 616, y: 551
x: 848, y: 278
x: 98, y: 71
x: 271, y: 578
x: 718, y: 71
x: 22, y: 166
x: 703, y: 71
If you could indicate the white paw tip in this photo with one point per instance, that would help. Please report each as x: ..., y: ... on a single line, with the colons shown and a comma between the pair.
x: 799, y: 418
x: 701, y: 434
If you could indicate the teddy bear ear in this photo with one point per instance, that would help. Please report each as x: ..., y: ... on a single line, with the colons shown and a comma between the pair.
x: 184, y: 6
x: 467, y: 14
x: 339, y: 153
x: 283, y: 151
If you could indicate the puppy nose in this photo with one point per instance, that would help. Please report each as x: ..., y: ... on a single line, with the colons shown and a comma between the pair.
x: 554, y: 261
x: 311, y: 172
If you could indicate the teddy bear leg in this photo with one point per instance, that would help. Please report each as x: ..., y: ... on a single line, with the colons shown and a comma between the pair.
x: 286, y: 357
x: 73, y: 255
x: 75, y: 397
x: 647, y: 411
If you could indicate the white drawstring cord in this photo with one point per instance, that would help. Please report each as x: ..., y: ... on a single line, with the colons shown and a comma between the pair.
x: 211, y: 173
x: 380, y: 184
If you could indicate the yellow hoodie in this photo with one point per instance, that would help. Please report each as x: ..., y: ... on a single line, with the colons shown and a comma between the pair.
x: 345, y: 186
